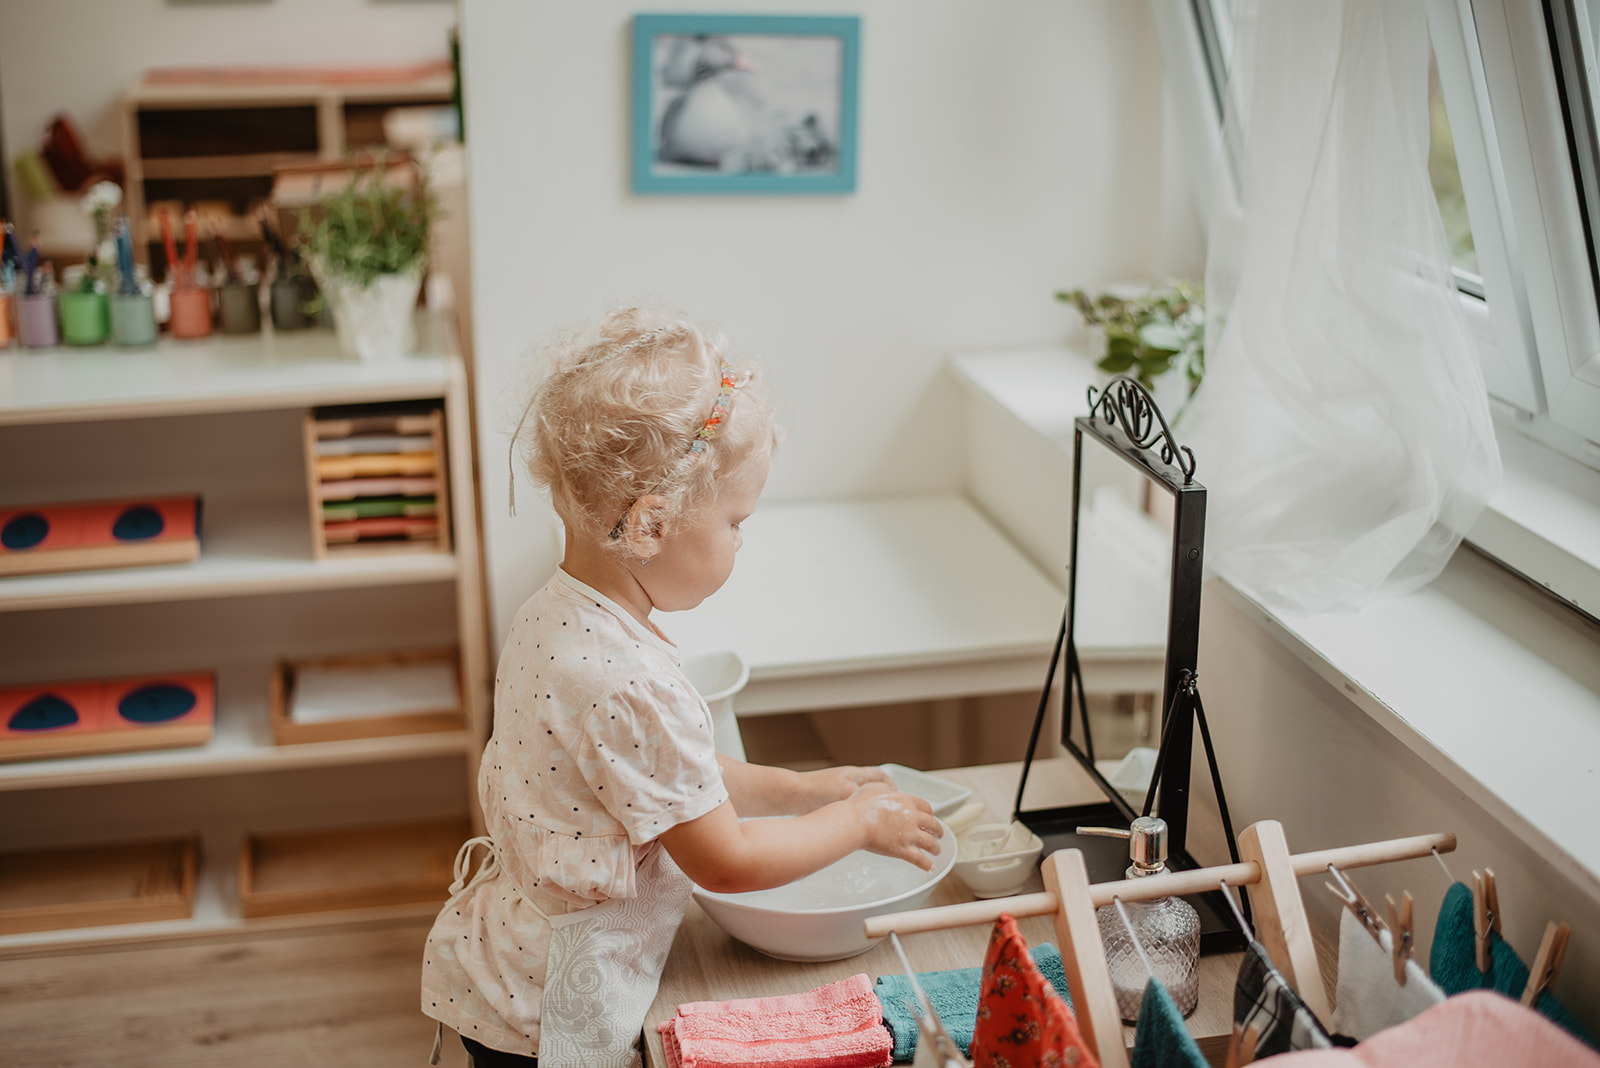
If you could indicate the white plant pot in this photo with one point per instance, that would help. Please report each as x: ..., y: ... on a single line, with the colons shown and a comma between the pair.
x: 375, y: 322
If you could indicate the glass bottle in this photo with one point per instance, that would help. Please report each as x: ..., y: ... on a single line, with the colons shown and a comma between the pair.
x: 1168, y: 928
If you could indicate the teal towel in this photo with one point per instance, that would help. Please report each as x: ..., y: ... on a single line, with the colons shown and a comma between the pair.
x: 1453, y: 963
x: 1162, y: 1039
x: 954, y: 995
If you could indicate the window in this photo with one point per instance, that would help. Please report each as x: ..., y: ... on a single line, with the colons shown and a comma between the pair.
x: 1515, y: 163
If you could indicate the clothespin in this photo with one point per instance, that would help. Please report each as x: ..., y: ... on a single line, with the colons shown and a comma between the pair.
x: 1242, y: 1046
x: 1400, y: 936
x: 1547, y: 962
x: 1356, y: 903
x: 1485, y: 915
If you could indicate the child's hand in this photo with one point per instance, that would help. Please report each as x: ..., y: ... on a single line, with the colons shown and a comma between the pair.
x: 897, y: 825
x: 836, y: 784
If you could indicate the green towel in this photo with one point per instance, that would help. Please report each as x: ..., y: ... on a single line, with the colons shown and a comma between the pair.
x: 1453, y: 963
x: 954, y: 996
x: 1162, y: 1039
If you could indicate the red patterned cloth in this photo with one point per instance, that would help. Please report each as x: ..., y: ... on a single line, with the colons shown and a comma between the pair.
x: 1021, y: 1018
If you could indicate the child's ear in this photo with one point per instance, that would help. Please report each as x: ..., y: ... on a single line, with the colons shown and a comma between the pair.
x: 643, y: 527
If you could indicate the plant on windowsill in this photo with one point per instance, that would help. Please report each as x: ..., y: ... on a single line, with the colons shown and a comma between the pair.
x: 367, y: 244
x: 1154, y: 335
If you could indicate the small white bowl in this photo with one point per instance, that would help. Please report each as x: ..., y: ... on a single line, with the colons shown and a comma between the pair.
x: 997, y: 859
x: 823, y: 916
x: 944, y: 795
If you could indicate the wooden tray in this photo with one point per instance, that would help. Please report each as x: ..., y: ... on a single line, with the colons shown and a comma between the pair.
x: 288, y: 731
x: 97, y: 886
x: 79, y: 536
x: 365, y: 474
x: 124, y: 715
x: 359, y: 867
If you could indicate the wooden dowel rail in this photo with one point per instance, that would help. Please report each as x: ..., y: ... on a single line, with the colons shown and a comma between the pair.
x: 1193, y: 881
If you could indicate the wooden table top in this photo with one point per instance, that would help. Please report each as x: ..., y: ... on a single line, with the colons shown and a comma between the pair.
x: 706, y: 964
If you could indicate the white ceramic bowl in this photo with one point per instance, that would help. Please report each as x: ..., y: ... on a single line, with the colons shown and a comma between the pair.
x: 944, y: 795
x: 997, y: 859
x: 822, y: 916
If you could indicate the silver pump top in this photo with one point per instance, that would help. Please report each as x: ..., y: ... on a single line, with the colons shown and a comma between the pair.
x: 1147, y: 844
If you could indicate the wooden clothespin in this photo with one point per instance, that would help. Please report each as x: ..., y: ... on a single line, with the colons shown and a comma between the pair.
x: 1356, y: 903
x: 1485, y: 915
x: 1547, y: 962
x: 1242, y: 1046
x: 1400, y: 937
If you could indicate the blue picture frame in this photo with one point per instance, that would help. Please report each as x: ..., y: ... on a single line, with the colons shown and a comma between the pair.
x: 707, y: 118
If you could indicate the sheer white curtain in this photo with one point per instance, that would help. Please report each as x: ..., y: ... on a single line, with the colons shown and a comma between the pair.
x: 1342, y: 429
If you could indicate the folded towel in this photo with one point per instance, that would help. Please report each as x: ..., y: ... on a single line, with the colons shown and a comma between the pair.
x: 1477, y: 1029
x: 954, y: 995
x: 839, y: 1025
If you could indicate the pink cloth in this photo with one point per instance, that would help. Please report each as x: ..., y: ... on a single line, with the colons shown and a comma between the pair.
x: 1477, y: 1029
x: 835, y: 1026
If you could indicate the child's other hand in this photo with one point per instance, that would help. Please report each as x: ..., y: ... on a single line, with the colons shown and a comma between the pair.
x: 897, y: 825
x: 836, y: 784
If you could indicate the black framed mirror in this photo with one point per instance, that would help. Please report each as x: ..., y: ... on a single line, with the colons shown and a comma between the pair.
x: 1132, y: 625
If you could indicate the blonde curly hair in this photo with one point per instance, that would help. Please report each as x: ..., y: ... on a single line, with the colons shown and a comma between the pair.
x: 614, y: 418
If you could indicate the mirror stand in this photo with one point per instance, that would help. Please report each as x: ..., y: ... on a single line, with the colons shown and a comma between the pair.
x: 1133, y: 485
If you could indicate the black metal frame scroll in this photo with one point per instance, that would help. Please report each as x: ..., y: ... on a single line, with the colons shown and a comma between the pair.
x: 1126, y: 420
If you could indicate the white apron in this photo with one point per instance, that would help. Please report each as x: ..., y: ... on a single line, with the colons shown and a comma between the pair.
x: 605, y: 962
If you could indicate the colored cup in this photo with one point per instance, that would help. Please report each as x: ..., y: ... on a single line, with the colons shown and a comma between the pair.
x: 289, y: 299
x: 7, y: 332
x: 36, y: 321
x: 85, y: 318
x: 191, y: 312
x: 133, y: 319
x: 240, y: 306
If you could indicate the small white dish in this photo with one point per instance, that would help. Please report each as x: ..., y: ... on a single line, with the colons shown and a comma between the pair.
x: 997, y: 859
x: 944, y: 795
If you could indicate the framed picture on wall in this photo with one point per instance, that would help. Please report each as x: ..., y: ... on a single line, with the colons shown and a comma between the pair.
x: 744, y: 104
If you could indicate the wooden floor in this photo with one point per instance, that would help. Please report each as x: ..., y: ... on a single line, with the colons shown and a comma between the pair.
x: 347, y: 999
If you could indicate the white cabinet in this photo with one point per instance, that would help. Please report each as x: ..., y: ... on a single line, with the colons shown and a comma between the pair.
x: 224, y: 418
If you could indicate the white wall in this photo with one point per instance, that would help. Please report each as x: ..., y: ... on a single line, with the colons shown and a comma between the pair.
x: 1006, y: 150
x: 77, y: 56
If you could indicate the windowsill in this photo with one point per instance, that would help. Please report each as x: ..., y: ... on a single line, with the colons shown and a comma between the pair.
x: 1455, y: 670
x: 1545, y: 520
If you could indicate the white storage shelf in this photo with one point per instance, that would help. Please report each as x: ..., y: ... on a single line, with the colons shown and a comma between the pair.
x: 221, y: 418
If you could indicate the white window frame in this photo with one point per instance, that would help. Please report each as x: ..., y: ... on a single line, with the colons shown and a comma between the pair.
x: 1537, y: 331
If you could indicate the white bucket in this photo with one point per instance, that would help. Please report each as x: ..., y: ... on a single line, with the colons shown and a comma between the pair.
x: 718, y: 676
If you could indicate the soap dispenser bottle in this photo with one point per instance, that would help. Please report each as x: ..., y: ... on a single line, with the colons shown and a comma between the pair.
x: 1168, y: 928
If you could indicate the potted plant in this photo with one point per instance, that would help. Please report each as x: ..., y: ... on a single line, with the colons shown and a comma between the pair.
x: 367, y: 244
x: 1154, y: 335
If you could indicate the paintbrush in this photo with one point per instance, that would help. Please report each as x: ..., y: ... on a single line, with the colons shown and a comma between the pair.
x: 174, y: 268
x: 127, y: 284
x: 191, y: 245
x: 30, y: 270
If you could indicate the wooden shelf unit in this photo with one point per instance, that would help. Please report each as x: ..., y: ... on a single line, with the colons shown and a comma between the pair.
x: 221, y: 138
x: 223, y: 418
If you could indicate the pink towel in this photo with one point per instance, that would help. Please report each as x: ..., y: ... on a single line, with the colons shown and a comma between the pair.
x: 1477, y: 1029
x: 835, y: 1026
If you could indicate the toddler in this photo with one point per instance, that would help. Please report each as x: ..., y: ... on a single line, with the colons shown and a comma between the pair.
x: 601, y: 789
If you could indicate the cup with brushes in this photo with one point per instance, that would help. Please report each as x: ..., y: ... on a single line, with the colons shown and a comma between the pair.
x: 37, y: 327
x: 10, y: 272
x: 190, y: 302
x: 238, y: 290
x: 133, y: 314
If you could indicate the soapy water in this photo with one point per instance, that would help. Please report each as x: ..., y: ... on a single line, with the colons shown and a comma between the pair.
x: 861, y: 878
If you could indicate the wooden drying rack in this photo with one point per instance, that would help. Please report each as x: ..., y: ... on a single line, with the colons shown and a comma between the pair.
x: 1268, y: 869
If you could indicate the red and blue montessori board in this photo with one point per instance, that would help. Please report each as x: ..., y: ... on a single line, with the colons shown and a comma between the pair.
x: 107, y: 715
x: 85, y: 536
